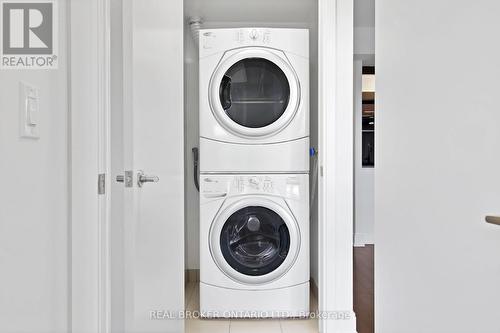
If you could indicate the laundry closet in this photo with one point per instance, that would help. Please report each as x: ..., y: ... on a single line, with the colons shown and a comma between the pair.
x: 251, y: 132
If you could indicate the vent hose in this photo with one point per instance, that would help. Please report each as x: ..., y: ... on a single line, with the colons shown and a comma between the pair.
x: 195, y: 26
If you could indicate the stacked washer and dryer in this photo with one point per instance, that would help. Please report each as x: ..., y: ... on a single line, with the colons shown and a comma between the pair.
x: 254, y: 172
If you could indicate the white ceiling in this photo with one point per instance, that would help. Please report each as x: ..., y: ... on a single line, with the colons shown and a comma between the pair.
x: 275, y: 11
x: 364, y: 13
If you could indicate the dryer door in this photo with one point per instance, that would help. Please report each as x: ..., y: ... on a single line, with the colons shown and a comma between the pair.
x: 254, y: 241
x: 254, y: 92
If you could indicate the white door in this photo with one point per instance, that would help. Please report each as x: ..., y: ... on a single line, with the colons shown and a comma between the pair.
x: 437, y: 264
x: 153, y: 141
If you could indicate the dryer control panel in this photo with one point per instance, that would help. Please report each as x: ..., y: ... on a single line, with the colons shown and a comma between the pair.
x: 257, y: 35
x: 213, y: 41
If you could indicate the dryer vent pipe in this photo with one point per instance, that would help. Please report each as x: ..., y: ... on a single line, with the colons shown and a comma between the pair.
x: 195, y: 26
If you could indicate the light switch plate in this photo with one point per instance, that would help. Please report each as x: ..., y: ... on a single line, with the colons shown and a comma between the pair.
x: 29, y: 111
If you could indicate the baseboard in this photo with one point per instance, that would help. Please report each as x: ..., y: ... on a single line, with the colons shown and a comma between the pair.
x: 336, y: 326
x: 314, y: 287
x: 362, y: 239
x: 191, y: 275
x: 342, y: 325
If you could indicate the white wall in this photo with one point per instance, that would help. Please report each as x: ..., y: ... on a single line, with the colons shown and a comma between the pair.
x: 364, y: 13
x: 364, y: 178
x: 191, y: 137
x: 34, y: 202
x: 364, y: 31
x: 364, y: 40
x: 437, y: 265
x: 223, y: 14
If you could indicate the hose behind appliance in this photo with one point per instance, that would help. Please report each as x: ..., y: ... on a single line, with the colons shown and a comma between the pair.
x: 313, y: 153
x: 195, y: 168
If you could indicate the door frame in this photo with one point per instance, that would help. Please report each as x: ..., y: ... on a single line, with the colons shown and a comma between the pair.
x: 90, y: 154
x: 89, y: 77
x: 336, y: 161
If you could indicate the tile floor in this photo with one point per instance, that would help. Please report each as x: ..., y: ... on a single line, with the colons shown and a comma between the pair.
x: 242, y: 325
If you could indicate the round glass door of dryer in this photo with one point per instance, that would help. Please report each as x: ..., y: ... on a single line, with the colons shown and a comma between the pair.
x: 255, y: 240
x: 254, y: 92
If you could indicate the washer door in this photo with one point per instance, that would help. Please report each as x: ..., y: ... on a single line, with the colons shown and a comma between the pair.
x: 254, y: 241
x: 254, y: 92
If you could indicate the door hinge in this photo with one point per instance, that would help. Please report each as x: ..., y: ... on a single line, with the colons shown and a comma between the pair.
x: 101, y: 183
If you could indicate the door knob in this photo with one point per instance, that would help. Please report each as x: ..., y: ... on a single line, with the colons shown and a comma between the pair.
x: 142, y: 178
x: 493, y: 219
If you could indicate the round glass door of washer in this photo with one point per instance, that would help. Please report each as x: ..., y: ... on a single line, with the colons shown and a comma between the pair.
x: 254, y: 92
x: 255, y: 242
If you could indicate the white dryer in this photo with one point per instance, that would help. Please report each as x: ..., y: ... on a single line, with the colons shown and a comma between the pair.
x: 254, y: 100
x: 254, y: 245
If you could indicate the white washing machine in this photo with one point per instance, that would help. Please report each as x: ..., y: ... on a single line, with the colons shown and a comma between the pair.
x: 254, y: 100
x: 254, y: 245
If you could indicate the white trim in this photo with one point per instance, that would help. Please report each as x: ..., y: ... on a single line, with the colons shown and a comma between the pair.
x: 104, y: 141
x: 335, y: 53
x: 90, y: 112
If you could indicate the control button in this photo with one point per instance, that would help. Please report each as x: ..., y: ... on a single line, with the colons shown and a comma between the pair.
x: 267, y: 186
x: 254, y: 34
x: 253, y: 182
x: 240, y: 37
x: 266, y: 37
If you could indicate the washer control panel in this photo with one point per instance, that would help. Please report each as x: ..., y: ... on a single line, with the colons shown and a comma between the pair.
x: 212, y: 187
x: 252, y: 184
x: 222, y: 186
